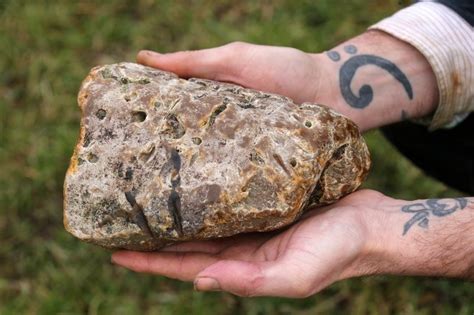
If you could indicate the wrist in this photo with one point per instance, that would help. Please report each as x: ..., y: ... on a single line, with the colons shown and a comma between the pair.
x: 375, y: 215
x: 425, y: 237
x: 328, y: 90
x: 376, y: 79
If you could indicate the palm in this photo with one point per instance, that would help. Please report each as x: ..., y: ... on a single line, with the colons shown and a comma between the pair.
x: 254, y: 66
x: 297, y: 262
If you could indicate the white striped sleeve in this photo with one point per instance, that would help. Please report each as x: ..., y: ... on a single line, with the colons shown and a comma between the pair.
x: 447, y: 42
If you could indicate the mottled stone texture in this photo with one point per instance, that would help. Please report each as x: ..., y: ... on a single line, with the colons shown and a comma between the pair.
x: 162, y: 159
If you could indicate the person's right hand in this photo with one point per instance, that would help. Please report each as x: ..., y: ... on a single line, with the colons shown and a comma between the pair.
x: 281, y: 70
x: 363, y: 233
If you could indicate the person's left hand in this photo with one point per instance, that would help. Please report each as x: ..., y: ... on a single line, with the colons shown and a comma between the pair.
x: 283, y: 70
x: 316, y: 251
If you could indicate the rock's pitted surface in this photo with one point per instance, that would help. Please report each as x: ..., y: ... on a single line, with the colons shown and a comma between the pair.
x: 162, y: 159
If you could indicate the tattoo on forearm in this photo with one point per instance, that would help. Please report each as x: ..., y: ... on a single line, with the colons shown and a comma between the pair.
x: 350, y: 49
x: 351, y: 65
x: 436, y: 207
x: 334, y: 55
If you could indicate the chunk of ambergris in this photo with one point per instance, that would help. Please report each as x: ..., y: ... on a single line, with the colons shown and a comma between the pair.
x: 162, y: 159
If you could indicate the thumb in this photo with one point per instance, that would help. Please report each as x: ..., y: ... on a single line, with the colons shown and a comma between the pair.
x: 213, y: 63
x: 254, y: 279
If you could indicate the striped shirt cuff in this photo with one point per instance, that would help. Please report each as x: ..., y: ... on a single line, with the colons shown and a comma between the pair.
x: 447, y: 42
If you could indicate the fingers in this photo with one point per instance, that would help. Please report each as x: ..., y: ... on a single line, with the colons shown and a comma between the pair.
x: 185, y: 260
x: 214, y: 63
x: 243, y: 242
x: 182, y: 266
x: 275, y: 278
x: 208, y: 246
x: 282, y: 277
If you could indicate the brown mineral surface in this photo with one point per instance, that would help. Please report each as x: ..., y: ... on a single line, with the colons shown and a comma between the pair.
x: 162, y: 159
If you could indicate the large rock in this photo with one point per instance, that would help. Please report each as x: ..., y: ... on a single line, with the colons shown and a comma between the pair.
x: 162, y: 159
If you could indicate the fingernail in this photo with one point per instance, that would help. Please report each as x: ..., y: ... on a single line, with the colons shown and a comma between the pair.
x: 206, y: 284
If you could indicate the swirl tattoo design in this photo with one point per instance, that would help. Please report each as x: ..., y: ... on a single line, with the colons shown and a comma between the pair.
x: 366, y: 93
x: 436, y: 207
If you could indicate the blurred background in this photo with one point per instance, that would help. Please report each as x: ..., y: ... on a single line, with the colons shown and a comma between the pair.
x: 48, y: 47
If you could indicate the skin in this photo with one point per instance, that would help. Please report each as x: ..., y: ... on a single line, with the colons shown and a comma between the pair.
x: 364, y: 233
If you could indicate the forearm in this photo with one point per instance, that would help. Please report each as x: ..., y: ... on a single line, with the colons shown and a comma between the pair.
x: 433, y: 237
x: 376, y: 79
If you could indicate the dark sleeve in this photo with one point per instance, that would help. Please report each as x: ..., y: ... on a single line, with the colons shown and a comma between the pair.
x: 465, y: 8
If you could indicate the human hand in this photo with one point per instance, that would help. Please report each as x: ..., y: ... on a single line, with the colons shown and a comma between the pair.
x: 318, y: 250
x: 281, y: 70
x: 374, y: 79
x: 364, y: 233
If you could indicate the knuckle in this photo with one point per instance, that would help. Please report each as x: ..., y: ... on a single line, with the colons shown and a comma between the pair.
x: 300, y: 287
x: 372, y: 194
x: 239, y: 46
x: 251, y: 287
x: 364, y: 194
x: 302, y: 290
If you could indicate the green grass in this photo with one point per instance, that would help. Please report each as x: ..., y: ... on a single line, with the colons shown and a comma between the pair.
x: 47, y: 48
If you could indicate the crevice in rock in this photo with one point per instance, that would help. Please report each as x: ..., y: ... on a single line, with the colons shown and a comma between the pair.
x: 174, y: 207
x: 245, y: 105
x: 137, y: 215
x: 139, y: 116
x: 318, y: 191
x: 92, y: 158
x: 197, y: 140
x: 280, y: 162
x: 215, y: 113
x: 174, y: 200
x: 87, y: 139
x: 128, y: 174
x: 256, y: 158
x: 145, y: 155
x: 337, y: 155
x: 101, y: 113
x: 293, y: 162
x: 173, y: 128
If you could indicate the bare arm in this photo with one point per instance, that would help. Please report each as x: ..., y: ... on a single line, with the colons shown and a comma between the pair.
x: 430, y: 237
x: 375, y: 79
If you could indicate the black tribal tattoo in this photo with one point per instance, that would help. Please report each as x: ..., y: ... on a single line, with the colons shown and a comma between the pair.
x: 334, y: 55
x: 350, y: 49
x: 348, y: 71
x: 433, y: 207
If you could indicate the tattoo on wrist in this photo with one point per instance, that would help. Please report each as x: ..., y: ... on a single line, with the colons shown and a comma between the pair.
x: 333, y: 55
x: 431, y: 207
x: 351, y: 65
x: 350, y: 49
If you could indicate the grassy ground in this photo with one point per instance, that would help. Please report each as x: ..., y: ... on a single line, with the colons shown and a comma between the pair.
x: 47, y: 47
